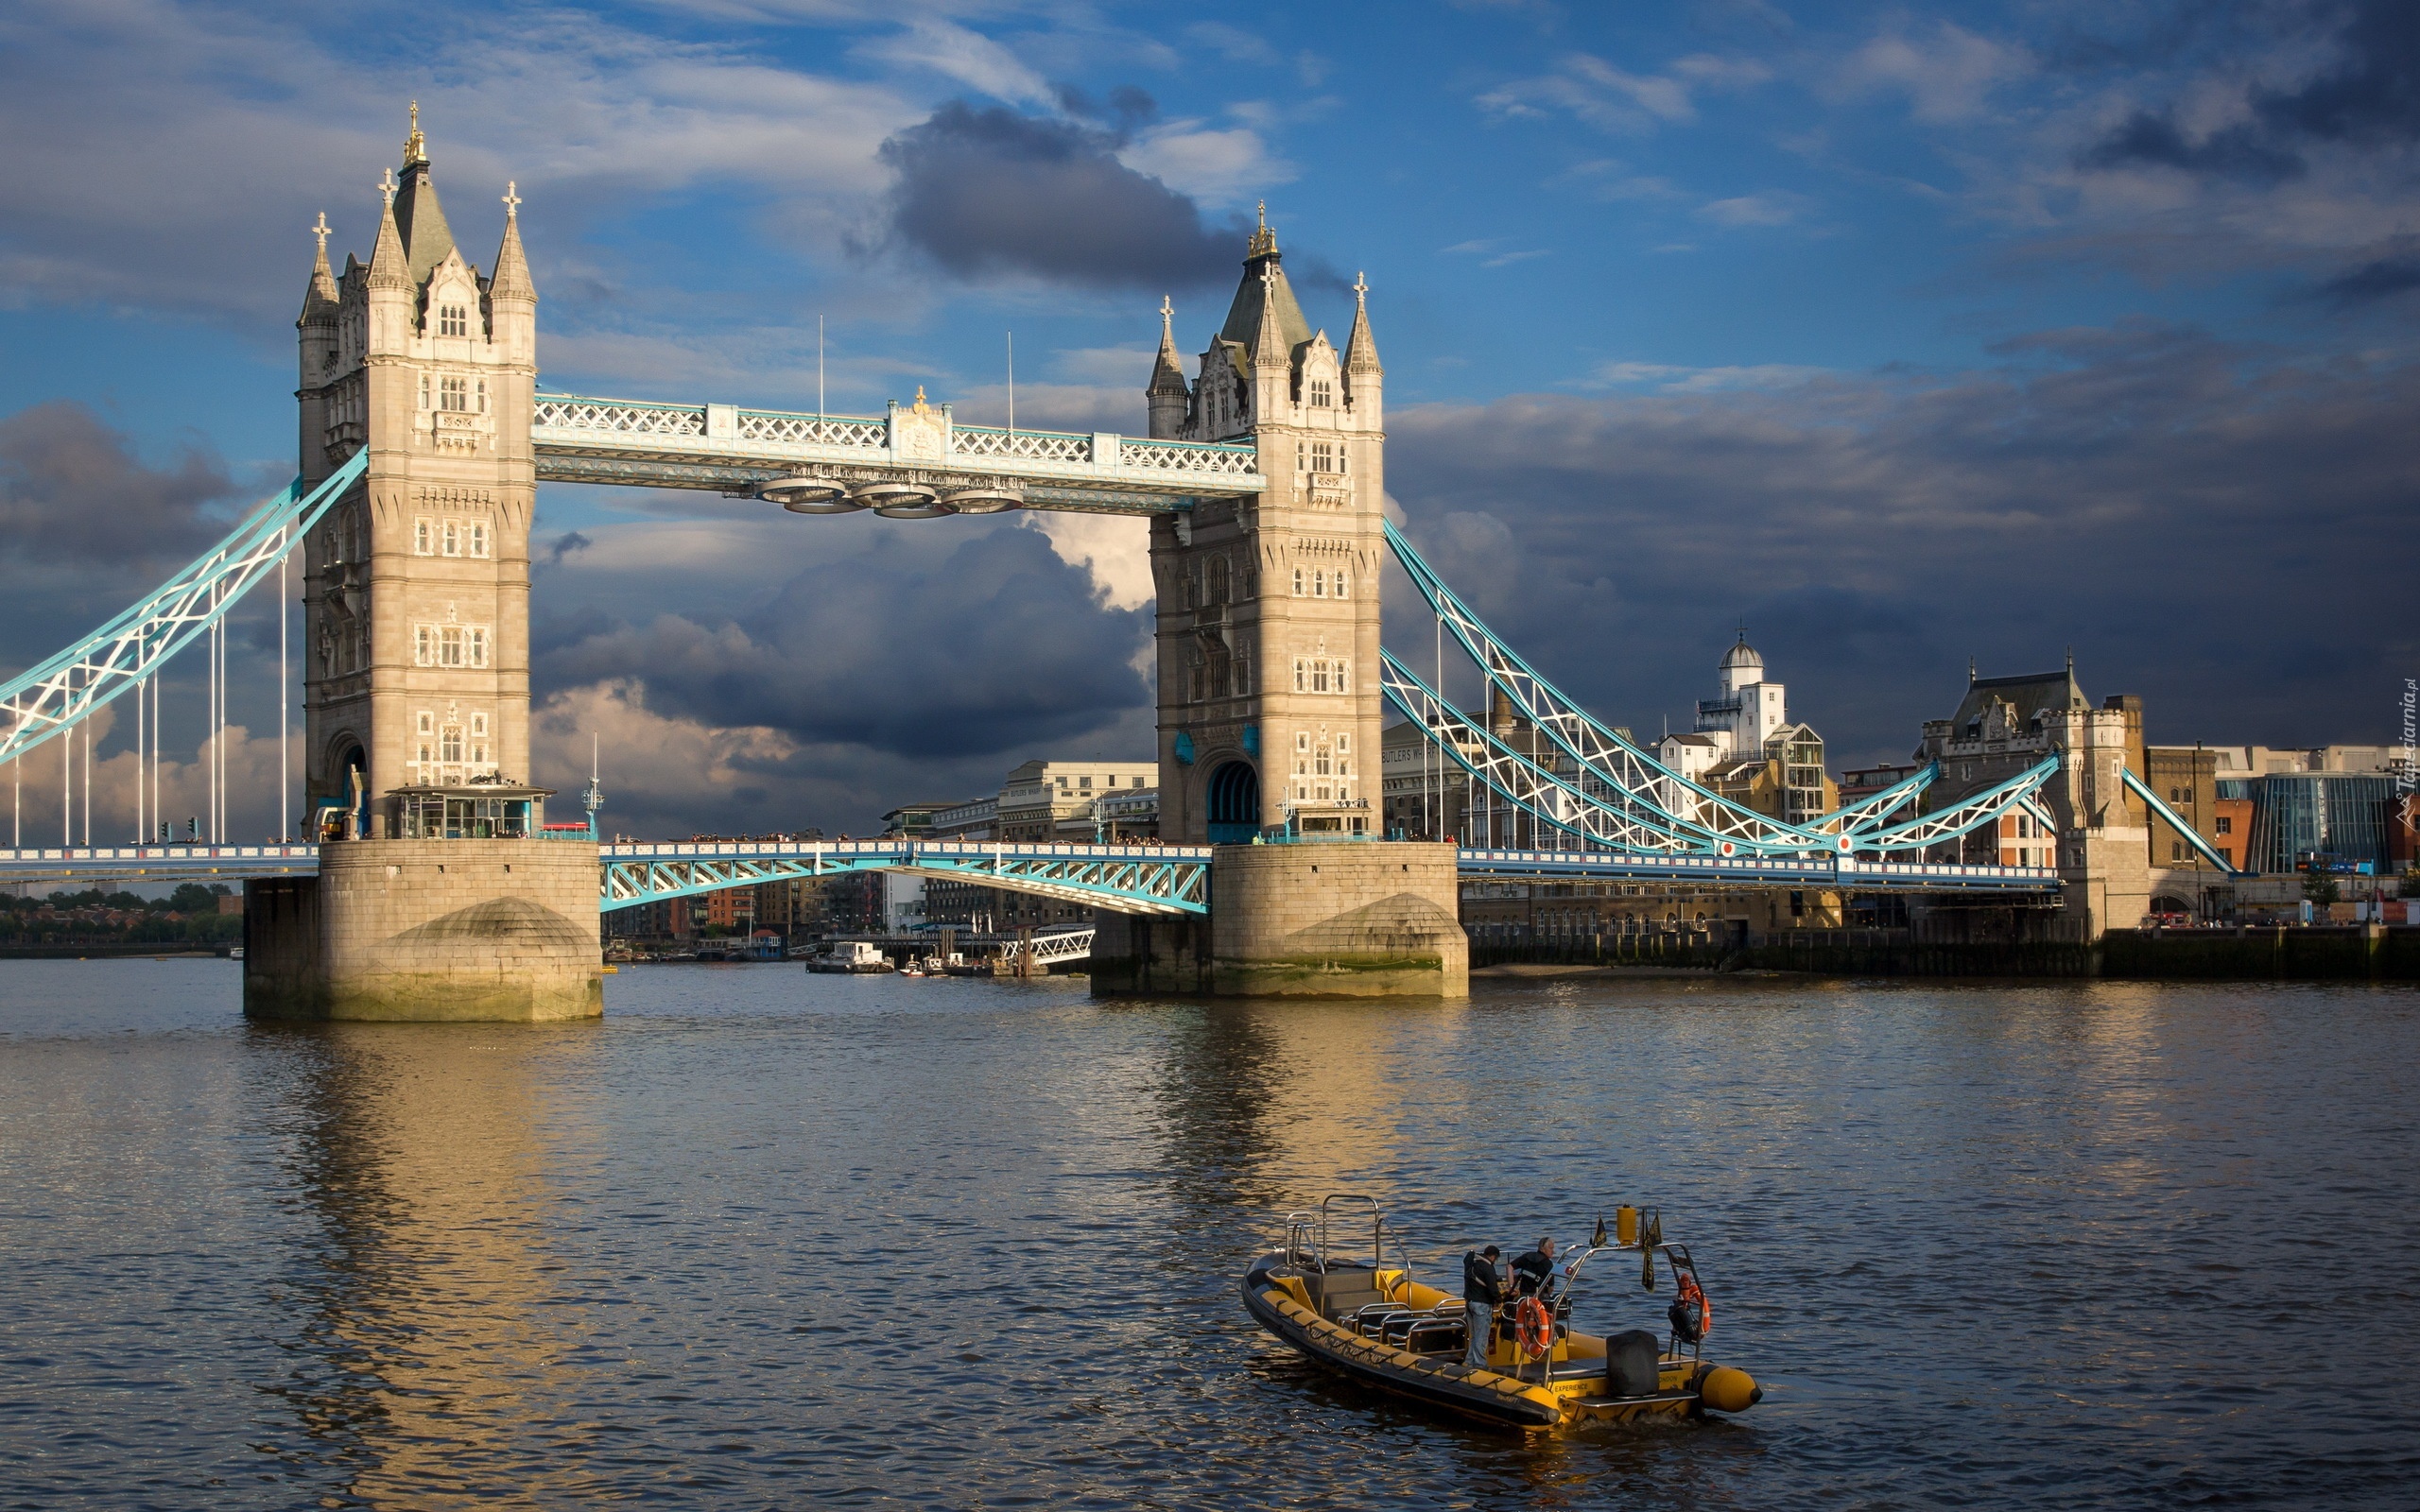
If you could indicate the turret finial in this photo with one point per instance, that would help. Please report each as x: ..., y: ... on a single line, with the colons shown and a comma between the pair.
x: 321, y: 232
x: 1168, y: 317
x: 1970, y: 670
x: 1264, y: 241
x: 1362, y: 290
x: 415, y: 146
x: 386, y: 186
x: 511, y: 201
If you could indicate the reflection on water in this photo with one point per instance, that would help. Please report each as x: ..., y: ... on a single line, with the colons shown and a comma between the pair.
x: 762, y: 1239
x: 424, y: 1335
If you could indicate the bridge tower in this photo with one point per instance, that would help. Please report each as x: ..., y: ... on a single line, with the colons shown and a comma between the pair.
x: 1269, y: 707
x: 416, y: 647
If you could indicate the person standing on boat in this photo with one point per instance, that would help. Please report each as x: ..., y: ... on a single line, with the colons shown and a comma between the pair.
x: 1534, y: 1273
x: 1482, y: 1292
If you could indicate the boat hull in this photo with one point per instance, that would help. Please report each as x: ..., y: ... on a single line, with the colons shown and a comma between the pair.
x: 1482, y: 1393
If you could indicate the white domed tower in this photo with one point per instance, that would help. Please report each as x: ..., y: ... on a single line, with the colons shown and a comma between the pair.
x: 1748, y: 708
x: 1740, y: 665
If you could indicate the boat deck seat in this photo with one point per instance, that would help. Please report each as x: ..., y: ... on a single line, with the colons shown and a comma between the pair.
x: 1343, y: 1304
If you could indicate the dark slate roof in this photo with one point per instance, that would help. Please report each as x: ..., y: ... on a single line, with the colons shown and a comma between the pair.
x: 421, y: 223
x: 2031, y: 693
x: 1243, y: 317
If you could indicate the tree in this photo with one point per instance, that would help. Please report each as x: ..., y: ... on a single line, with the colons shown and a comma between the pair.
x: 2320, y: 888
x: 193, y: 898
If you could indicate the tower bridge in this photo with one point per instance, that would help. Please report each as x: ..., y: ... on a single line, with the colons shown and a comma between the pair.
x: 423, y: 437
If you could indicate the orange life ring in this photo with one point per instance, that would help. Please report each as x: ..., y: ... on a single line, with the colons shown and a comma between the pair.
x: 1694, y: 1294
x: 1532, y: 1328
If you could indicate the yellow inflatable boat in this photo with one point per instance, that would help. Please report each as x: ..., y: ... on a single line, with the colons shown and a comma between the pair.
x: 1339, y: 1298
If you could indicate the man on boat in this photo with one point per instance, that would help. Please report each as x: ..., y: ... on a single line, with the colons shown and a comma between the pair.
x: 1482, y: 1292
x: 1534, y: 1273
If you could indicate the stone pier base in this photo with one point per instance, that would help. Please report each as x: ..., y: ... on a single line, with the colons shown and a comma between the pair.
x: 1347, y: 919
x: 428, y: 931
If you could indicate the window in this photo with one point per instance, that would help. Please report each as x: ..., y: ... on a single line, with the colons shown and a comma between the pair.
x: 2176, y: 849
x: 453, y: 320
x: 449, y: 652
x: 1340, y: 458
x: 1319, y: 675
x: 2227, y: 824
x: 1298, y: 583
x: 1339, y: 585
x: 475, y: 639
x: 1302, y: 456
x: 1343, y: 744
x: 1323, y: 395
x: 1322, y: 458
x: 1319, y: 584
x: 483, y: 396
x: 479, y: 738
x: 449, y: 746
x: 425, y: 653
x: 449, y: 538
x: 1302, y: 740
x: 1217, y: 579
x: 1301, y: 674
x: 424, y: 390
x: 478, y: 538
x: 423, y: 536
x: 454, y: 394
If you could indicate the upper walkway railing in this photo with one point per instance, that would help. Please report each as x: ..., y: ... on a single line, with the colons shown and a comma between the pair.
x: 732, y: 450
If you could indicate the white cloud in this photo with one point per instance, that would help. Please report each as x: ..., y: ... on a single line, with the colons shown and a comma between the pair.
x: 1218, y: 167
x: 1946, y: 72
x: 1614, y: 99
x: 968, y: 57
x: 1116, y: 549
x: 1771, y: 208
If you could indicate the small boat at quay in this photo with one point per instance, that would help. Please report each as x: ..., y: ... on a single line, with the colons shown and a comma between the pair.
x: 1336, y: 1294
x: 854, y: 957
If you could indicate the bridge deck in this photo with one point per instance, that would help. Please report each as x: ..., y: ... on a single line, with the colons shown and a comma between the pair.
x: 732, y: 450
x: 1136, y: 878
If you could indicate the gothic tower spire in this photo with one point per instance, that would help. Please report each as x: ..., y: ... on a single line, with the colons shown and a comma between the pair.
x: 1167, y: 394
x: 511, y: 280
x: 389, y: 268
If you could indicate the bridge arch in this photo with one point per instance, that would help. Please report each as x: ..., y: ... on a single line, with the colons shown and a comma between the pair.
x: 1232, y: 802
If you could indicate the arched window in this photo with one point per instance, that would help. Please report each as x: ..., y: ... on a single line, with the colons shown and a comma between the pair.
x: 1217, y: 579
x: 1319, y: 583
x: 424, y: 390
x: 1340, y: 583
x: 453, y: 320
x: 483, y: 396
x: 1298, y: 583
x: 449, y: 743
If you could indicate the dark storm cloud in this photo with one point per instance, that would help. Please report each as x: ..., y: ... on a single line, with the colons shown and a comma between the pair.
x: 72, y: 489
x: 990, y: 191
x: 999, y: 646
x: 2381, y: 278
x: 2226, y: 538
x: 2369, y: 96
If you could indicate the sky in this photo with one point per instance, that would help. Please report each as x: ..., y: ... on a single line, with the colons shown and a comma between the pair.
x: 1901, y: 336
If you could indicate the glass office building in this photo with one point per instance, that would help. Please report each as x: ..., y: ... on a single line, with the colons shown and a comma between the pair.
x: 2342, y: 815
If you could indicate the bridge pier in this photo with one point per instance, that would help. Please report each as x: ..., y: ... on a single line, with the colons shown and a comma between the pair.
x: 1337, y: 919
x: 456, y: 931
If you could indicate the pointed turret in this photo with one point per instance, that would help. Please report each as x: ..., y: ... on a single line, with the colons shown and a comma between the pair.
x: 418, y: 219
x: 1360, y: 348
x: 1167, y: 394
x: 1269, y: 348
x: 389, y: 267
x: 1264, y: 285
x: 320, y: 295
x: 512, y: 279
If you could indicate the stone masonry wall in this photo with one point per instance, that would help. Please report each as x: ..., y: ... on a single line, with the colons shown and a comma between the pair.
x: 435, y: 931
x: 1348, y: 918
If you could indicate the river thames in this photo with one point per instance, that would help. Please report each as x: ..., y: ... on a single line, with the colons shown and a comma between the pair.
x: 761, y: 1239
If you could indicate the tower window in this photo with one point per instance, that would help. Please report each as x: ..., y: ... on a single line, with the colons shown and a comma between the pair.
x: 454, y: 394
x: 476, y: 642
x: 423, y: 536
x: 1322, y: 458
x: 483, y: 396
x: 478, y: 538
x: 1339, y: 585
x: 1298, y: 583
x: 450, y: 743
x: 424, y: 390
x: 449, y: 652
x: 450, y: 540
x: 424, y: 651
x: 453, y: 320
x: 1323, y: 394
x: 1319, y: 584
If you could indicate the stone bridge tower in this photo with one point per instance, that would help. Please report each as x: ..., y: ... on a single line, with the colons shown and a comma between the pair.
x: 435, y: 898
x: 416, y: 587
x: 1268, y: 629
x: 1269, y: 708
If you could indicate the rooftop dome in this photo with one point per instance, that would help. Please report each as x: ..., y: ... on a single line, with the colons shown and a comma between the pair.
x: 1742, y: 655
